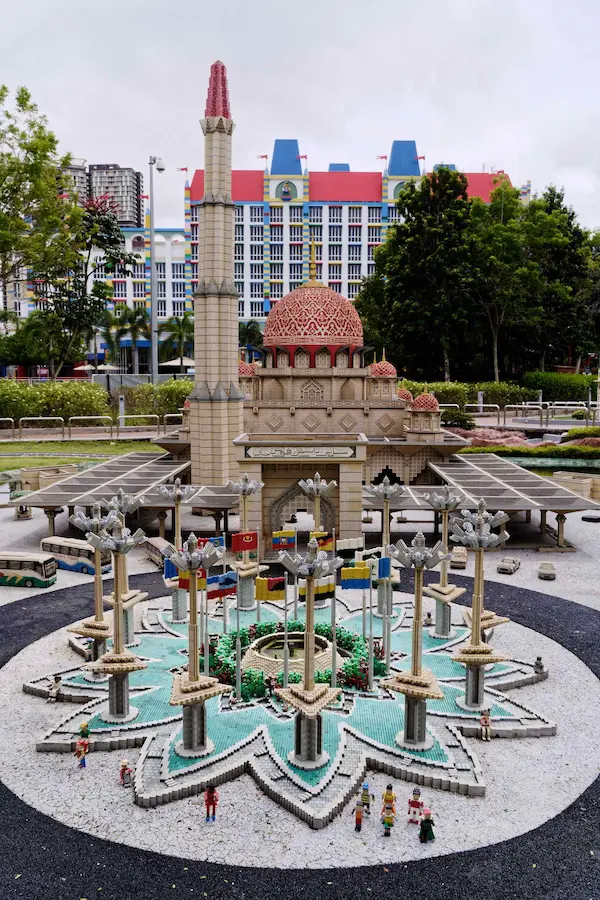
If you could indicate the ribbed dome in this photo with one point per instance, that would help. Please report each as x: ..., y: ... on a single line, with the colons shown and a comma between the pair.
x: 405, y: 394
x: 425, y: 402
x: 383, y: 369
x: 245, y: 369
x: 312, y: 316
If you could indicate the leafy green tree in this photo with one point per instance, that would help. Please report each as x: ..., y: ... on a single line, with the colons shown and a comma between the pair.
x: 30, y: 206
x: 418, y: 300
x: 135, y: 323
x: 250, y: 335
x: 179, y: 337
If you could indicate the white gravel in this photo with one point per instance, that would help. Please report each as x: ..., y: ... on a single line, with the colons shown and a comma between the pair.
x: 528, y: 781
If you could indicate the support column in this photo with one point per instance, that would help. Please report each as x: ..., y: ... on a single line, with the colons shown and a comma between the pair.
x: 474, y: 687
x: 560, y: 522
x: 128, y: 626
x: 443, y: 619
x: 178, y: 605
x: 308, y: 750
x: 162, y: 517
x: 350, y: 499
x: 415, y: 721
x: 119, y: 708
x: 245, y: 593
x: 195, y: 741
x: 51, y: 516
x: 528, y: 516
x: 543, y: 517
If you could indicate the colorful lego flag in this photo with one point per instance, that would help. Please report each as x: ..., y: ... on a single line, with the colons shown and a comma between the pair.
x: 347, y: 547
x: 244, y: 540
x: 384, y: 567
x: 170, y: 570
x: 356, y: 577
x: 184, y: 580
x: 284, y: 540
x: 269, y: 589
x: 324, y: 539
x: 221, y: 585
x: 324, y: 588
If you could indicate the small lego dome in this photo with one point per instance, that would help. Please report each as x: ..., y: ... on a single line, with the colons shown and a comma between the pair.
x: 383, y: 369
x: 404, y: 394
x: 245, y: 370
x: 425, y: 402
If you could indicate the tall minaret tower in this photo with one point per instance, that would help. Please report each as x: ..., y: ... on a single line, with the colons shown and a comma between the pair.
x: 216, y: 403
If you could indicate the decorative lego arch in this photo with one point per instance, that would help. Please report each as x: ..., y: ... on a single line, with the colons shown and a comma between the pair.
x: 311, y: 392
x: 301, y: 359
x: 286, y: 190
x: 400, y: 186
x: 323, y: 359
x: 350, y: 389
x: 293, y: 499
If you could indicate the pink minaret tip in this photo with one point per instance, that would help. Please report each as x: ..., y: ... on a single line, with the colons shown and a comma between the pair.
x: 217, y: 100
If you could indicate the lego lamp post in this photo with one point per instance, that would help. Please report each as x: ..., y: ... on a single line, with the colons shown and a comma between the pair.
x: 316, y: 488
x: 246, y: 570
x: 177, y: 494
x: 118, y: 662
x: 97, y: 627
x: 419, y: 684
x: 308, y: 698
x: 443, y: 593
x: 192, y: 690
x: 124, y: 505
x: 475, y: 531
x: 383, y: 494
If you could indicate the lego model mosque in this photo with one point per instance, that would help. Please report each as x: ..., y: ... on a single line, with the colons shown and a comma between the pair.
x: 313, y: 402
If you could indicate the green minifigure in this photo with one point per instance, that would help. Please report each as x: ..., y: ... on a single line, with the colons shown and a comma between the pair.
x: 426, y: 827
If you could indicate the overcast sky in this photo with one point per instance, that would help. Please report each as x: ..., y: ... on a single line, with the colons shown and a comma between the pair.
x: 510, y: 83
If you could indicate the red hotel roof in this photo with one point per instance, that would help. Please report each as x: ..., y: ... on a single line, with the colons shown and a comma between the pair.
x: 246, y: 184
x: 481, y: 184
x: 345, y: 186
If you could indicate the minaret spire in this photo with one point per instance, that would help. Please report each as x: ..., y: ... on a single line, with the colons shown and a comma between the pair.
x: 217, y: 99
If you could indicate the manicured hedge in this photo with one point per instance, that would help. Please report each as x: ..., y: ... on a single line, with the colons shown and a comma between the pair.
x: 502, y: 393
x: 164, y: 397
x: 574, y: 433
x: 52, y: 398
x: 559, y: 386
x: 557, y: 451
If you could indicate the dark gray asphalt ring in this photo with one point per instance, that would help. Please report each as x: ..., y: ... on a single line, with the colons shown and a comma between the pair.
x: 41, y: 859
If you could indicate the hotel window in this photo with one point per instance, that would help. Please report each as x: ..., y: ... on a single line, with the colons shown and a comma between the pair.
x: 335, y: 270
x: 354, y: 271
x: 194, y: 289
x: 353, y: 290
x: 160, y: 270
x: 256, y: 289
x: 354, y: 254
x: 194, y: 213
x: 335, y: 253
x: 335, y: 214
x: 354, y: 233
x: 178, y: 288
x: 194, y: 267
x: 161, y: 309
x: 257, y: 309
x: 393, y: 214
x: 120, y: 289
x: 178, y: 307
x: 374, y: 214
x: 316, y: 233
x: 277, y: 271
x: 256, y: 233
x: 238, y: 270
x: 276, y: 214
x: 256, y: 270
x: 17, y: 307
x: 138, y: 270
x: 277, y: 233
x: 17, y: 289
x: 335, y: 233
x: 239, y: 252
x: 161, y: 289
x: 319, y: 268
x: 295, y: 233
x: 319, y: 252
x: 194, y: 232
x: 295, y: 271
x: 239, y: 214
x: 178, y: 270
x: 296, y: 254
x: 256, y: 214
x: 335, y: 286
x: 239, y: 286
x: 139, y: 288
x: 315, y: 214
x: 121, y: 272
x: 295, y: 214
x: 241, y: 305
x: 276, y: 252
x: 139, y: 304
x: 276, y: 291
x: 294, y: 285
x: 194, y: 251
x: 371, y: 269
x: 374, y: 235
x: 99, y: 273
x: 370, y: 253
x: 239, y: 232
x: 354, y: 215
x: 256, y: 252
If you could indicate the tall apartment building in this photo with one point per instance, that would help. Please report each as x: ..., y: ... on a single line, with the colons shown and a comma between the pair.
x: 123, y: 185
x: 77, y: 179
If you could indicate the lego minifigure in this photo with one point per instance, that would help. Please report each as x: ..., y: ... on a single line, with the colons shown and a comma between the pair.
x: 426, y: 827
x: 428, y: 620
x: 415, y: 807
x: 54, y: 689
x: 389, y: 797
x: 211, y: 799
x: 270, y: 684
x: 388, y: 817
x: 538, y: 666
x: 358, y: 814
x: 81, y: 750
x: 126, y: 774
x: 84, y: 730
x: 366, y: 796
x: 486, y: 725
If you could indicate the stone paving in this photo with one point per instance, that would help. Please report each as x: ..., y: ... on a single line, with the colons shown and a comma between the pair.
x: 359, y: 731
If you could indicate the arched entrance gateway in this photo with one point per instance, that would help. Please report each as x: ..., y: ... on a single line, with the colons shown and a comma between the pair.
x: 291, y: 501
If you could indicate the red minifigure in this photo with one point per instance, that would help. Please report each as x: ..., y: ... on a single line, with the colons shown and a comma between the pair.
x: 81, y: 750
x: 211, y: 799
x: 126, y: 773
x: 415, y: 807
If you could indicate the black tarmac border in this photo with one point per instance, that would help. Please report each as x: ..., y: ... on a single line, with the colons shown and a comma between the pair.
x: 41, y: 859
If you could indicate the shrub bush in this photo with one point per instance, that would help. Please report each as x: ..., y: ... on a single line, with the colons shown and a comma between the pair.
x: 445, y: 391
x: 454, y: 418
x: 556, y: 451
x: 501, y: 393
x: 559, y: 386
x: 592, y: 432
x: 52, y: 398
x: 165, y: 397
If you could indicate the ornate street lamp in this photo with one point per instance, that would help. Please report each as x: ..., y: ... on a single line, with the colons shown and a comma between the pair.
x: 316, y: 488
x: 308, y: 698
x: 246, y: 570
x: 177, y: 494
x: 191, y: 690
x: 475, y: 531
x: 124, y: 505
x: 444, y: 594
x: 419, y: 684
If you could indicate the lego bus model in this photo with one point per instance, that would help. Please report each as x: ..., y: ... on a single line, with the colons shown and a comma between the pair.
x: 27, y: 569
x: 75, y: 555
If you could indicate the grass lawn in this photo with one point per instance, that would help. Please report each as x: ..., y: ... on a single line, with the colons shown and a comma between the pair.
x: 72, y: 449
x: 22, y: 462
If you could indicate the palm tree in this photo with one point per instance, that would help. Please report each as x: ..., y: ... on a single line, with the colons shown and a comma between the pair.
x: 250, y: 335
x: 107, y: 332
x: 135, y: 323
x: 179, y: 331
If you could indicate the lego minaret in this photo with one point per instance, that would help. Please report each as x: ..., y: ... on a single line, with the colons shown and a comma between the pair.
x: 216, y: 403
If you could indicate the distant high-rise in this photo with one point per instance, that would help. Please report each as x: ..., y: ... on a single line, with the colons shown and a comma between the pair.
x: 77, y: 179
x: 123, y: 185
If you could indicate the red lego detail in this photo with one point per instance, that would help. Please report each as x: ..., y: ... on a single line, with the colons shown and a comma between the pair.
x: 217, y: 101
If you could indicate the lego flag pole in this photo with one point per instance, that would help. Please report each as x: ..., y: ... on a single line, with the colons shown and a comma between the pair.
x: 206, y: 634
x: 333, y: 630
x: 238, y: 658
x: 370, y: 634
x: 286, y: 649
